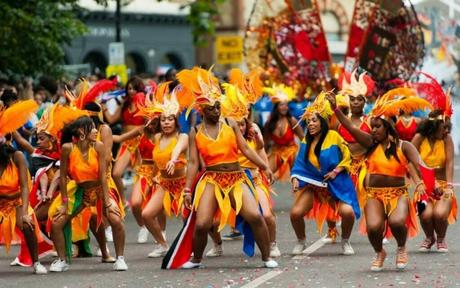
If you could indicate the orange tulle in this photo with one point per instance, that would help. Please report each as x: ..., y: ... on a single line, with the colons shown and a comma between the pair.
x: 324, y: 207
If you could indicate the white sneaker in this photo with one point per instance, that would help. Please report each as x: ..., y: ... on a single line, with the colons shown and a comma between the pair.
x: 346, y: 247
x: 143, y: 235
x: 108, y: 234
x: 215, y: 251
x: 120, y: 264
x: 299, y: 247
x: 270, y: 264
x: 59, y: 265
x: 159, y: 251
x: 15, y: 262
x: 39, y: 268
x: 274, y: 250
x: 191, y: 265
x: 385, y: 241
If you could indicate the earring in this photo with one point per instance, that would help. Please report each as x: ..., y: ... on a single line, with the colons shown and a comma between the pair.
x: 82, y: 137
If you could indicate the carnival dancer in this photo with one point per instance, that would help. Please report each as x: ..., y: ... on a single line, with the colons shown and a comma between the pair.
x: 236, y: 104
x: 126, y: 157
x: 217, y: 142
x: 281, y: 130
x: 83, y: 161
x: 356, y: 91
x: 44, y: 164
x: 388, y: 162
x: 436, y: 148
x: 169, y: 159
x: 16, y: 216
x: 323, y: 189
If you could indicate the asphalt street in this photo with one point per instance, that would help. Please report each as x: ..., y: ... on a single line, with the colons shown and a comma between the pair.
x: 323, y: 267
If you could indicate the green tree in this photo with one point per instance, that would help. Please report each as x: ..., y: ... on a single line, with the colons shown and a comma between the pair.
x: 33, y: 34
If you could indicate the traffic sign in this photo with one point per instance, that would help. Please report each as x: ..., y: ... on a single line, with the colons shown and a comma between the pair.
x: 229, y: 49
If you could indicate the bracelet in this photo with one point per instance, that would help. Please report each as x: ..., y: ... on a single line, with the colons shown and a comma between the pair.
x: 65, y: 199
x: 186, y: 189
x: 336, y: 170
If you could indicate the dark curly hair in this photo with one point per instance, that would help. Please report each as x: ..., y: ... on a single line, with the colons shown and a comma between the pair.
x: 70, y: 131
x: 429, y: 126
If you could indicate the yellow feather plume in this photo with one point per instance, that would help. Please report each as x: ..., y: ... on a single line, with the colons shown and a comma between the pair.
x: 250, y: 85
x: 16, y: 115
x: 321, y: 106
x: 234, y: 105
x: 396, y: 100
x: 280, y: 93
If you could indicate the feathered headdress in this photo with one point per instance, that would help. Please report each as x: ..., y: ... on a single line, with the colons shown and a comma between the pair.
x: 13, y: 117
x: 321, y: 106
x: 431, y: 90
x: 56, y: 117
x: 201, y: 84
x: 85, y: 94
x: 280, y: 93
x: 162, y: 102
x: 250, y: 84
x: 350, y: 85
x: 396, y: 100
x: 234, y: 105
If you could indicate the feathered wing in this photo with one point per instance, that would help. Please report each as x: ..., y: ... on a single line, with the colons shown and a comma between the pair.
x: 433, y: 92
x: 16, y: 115
x: 100, y: 87
x: 61, y: 116
x: 399, y: 99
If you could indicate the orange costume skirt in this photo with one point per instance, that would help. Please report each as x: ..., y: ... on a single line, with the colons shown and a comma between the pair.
x: 441, y: 184
x: 130, y: 146
x: 358, y: 173
x: 225, y: 183
x: 284, y: 159
x: 172, y: 200
x: 144, y: 174
x: 8, y: 227
x: 325, y: 208
x: 389, y: 197
x: 82, y: 204
x: 260, y: 181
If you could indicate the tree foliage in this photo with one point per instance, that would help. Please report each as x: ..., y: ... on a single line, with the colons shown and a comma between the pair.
x: 33, y: 34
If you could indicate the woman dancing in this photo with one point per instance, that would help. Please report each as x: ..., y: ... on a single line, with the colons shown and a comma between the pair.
x: 323, y: 189
x: 223, y: 190
x: 16, y: 216
x: 388, y: 162
x: 83, y: 161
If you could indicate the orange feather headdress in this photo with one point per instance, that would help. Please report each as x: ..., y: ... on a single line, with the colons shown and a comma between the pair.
x: 352, y: 85
x: 396, y: 100
x: 321, y: 106
x: 13, y: 117
x: 56, y: 117
x: 164, y: 102
x: 201, y: 85
x: 249, y: 85
x: 86, y: 94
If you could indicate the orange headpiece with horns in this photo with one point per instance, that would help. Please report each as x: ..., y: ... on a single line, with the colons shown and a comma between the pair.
x: 249, y: 85
x: 396, y: 100
x: 201, y: 85
x: 56, y: 117
x: 164, y: 102
x: 352, y: 85
x: 13, y: 117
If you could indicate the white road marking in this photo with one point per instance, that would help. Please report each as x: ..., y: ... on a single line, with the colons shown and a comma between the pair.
x: 262, y: 279
x: 272, y: 274
x: 309, y: 250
